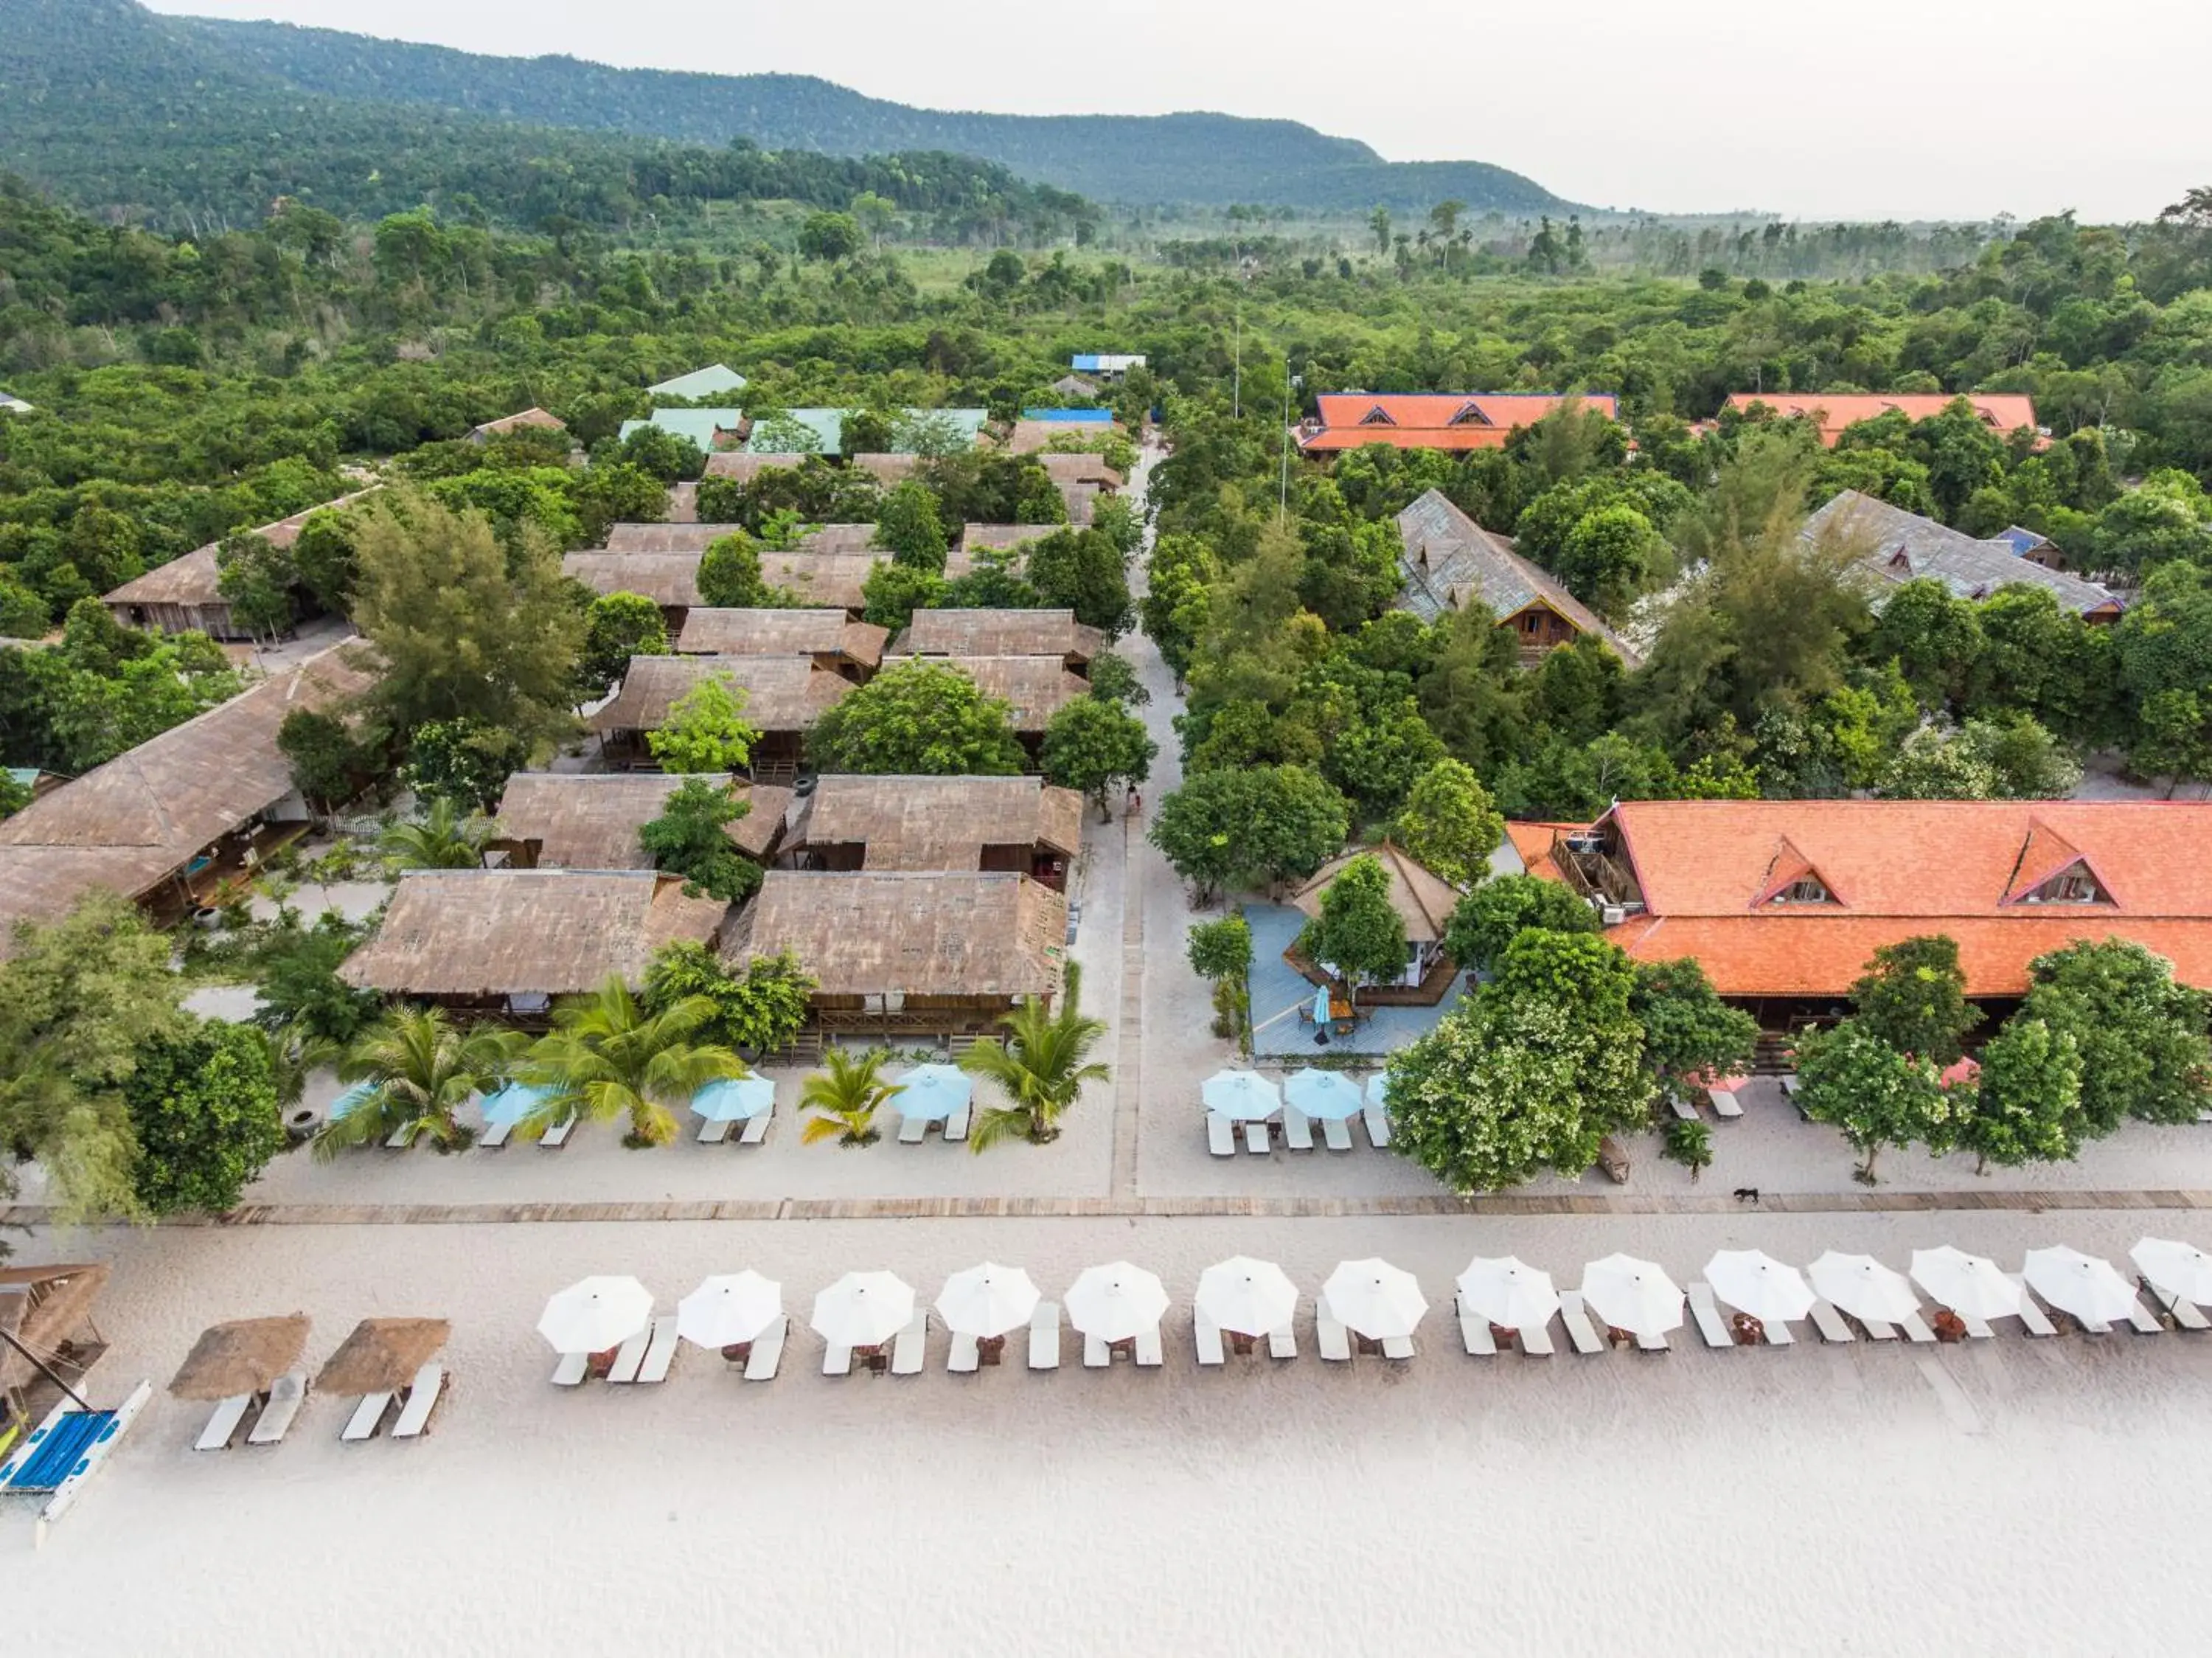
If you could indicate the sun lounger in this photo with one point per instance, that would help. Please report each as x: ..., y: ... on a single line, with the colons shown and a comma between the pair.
x: 836, y: 1361
x: 570, y: 1371
x: 1378, y: 1126
x: 1220, y: 1135
x: 1096, y: 1355
x: 1400, y: 1348
x: 660, y: 1352
x: 557, y: 1136
x: 2187, y: 1316
x: 756, y: 1128
x: 2032, y: 1317
x: 1577, y: 1322
x: 1283, y: 1343
x: 1707, y: 1313
x: 1536, y: 1339
x: 767, y: 1352
x: 1681, y: 1108
x: 1297, y: 1132
x: 495, y: 1134
x: 285, y: 1397
x: 630, y: 1357
x: 403, y: 1136
x: 1726, y: 1105
x: 911, y: 1129
x: 1331, y: 1337
x: 1255, y: 1138
x: 1044, y: 1337
x: 368, y: 1416
x: 2093, y: 1326
x: 1830, y: 1323
x: 222, y: 1427
x: 1916, y: 1329
x: 1207, y: 1337
x: 1336, y: 1133
x: 2143, y: 1321
x: 1474, y: 1333
x: 911, y: 1350
x: 1148, y: 1349
x: 1977, y: 1329
x: 423, y: 1396
x: 956, y: 1125
x: 967, y: 1355
x: 715, y: 1131
x: 1651, y: 1343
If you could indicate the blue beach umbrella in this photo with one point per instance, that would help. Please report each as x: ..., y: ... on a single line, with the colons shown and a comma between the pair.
x: 1378, y: 1089
x: 1241, y: 1096
x: 931, y: 1092
x: 513, y: 1103
x: 1323, y: 1095
x: 734, y: 1099
x: 1321, y: 1006
x: 352, y: 1100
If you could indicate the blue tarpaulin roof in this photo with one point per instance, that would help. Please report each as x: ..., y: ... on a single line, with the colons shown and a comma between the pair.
x: 1072, y: 416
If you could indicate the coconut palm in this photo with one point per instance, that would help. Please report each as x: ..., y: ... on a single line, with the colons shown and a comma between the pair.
x: 441, y: 838
x: 1040, y: 1063
x: 420, y: 1067
x: 847, y: 1095
x: 606, y: 1055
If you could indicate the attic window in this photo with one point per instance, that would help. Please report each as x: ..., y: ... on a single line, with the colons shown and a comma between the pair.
x: 1472, y: 415
x: 1377, y: 416
x: 2074, y: 884
x: 1806, y: 889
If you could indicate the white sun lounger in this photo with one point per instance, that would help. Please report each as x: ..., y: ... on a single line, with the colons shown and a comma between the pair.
x: 1977, y: 1329
x: 1830, y: 1323
x: 495, y: 1134
x: 836, y: 1361
x: 630, y: 1357
x: 557, y: 1136
x: 1332, y: 1340
x: 403, y: 1136
x: 1536, y: 1339
x: 1255, y: 1138
x: 1777, y: 1333
x: 1681, y: 1108
x: 570, y: 1370
x: 660, y: 1352
x: 756, y: 1128
x: 368, y: 1416
x: 2031, y: 1314
x: 911, y: 1129
x: 1044, y: 1337
x: 1707, y: 1313
x: 1915, y: 1329
x: 911, y: 1350
x: 715, y: 1131
x: 967, y: 1357
x: 1877, y: 1330
x: 1220, y: 1135
x: 1725, y: 1104
x: 423, y: 1395
x: 1378, y: 1126
x: 956, y: 1125
x: 1651, y: 1343
x: 1148, y: 1349
x: 2143, y: 1321
x: 285, y: 1397
x: 1577, y: 1322
x: 223, y: 1426
x: 1096, y: 1355
x: 1400, y: 1348
x: 1474, y: 1333
x: 1207, y: 1337
x: 1336, y: 1133
x: 2187, y: 1315
x: 1297, y: 1132
x: 767, y: 1352
x: 1283, y: 1343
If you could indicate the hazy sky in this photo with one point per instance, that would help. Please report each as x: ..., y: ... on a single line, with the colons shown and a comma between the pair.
x: 1871, y: 108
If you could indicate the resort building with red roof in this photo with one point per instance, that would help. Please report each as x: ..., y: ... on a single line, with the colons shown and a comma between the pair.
x: 2003, y: 412
x: 1448, y: 421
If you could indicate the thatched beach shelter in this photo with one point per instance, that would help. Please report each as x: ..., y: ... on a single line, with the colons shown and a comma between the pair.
x: 243, y: 1357
x: 830, y: 637
x: 45, y: 1309
x: 783, y: 698
x: 185, y: 595
x: 1002, y: 633
x: 382, y: 1354
x: 590, y: 820
x: 876, y: 823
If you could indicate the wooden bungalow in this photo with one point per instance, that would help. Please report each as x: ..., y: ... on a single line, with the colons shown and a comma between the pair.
x: 877, y: 823
x: 1449, y: 562
x: 833, y: 640
x: 1423, y: 900
x: 1003, y: 633
x: 1034, y: 437
x: 1037, y: 687
x: 1002, y: 538
x: 888, y: 469
x: 742, y: 466
x: 185, y: 595
x: 783, y: 698
x: 510, y: 940
x: 590, y: 820
x: 1081, y: 467
x: 178, y: 821
x: 671, y: 580
x: 694, y: 538
x: 910, y: 952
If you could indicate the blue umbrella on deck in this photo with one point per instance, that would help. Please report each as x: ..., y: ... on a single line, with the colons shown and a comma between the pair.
x: 1321, y: 1006
x: 1378, y: 1089
x: 734, y: 1099
x: 512, y: 1104
x: 932, y: 1093
x: 1323, y: 1095
x: 352, y: 1100
x: 1241, y: 1096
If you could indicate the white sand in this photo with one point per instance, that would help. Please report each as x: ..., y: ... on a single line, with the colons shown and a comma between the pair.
x: 2026, y: 1498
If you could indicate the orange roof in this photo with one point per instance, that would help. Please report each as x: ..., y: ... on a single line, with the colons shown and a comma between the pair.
x: 1434, y: 420
x: 1533, y: 841
x: 2005, y: 412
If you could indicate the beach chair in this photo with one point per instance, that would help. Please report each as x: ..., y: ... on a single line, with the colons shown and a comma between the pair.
x: 1707, y: 1313
x: 1577, y: 1322
x: 1977, y: 1329
x: 1044, y: 1337
x: 1726, y: 1105
x: 1474, y: 1333
x: 285, y: 1397
x: 956, y: 1125
x: 403, y: 1136
x: 1651, y: 1343
x: 1096, y: 1355
x: 223, y: 1426
x: 495, y: 1134
x: 1681, y: 1108
x: 1283, y: 1343
x: 1255, y: 1138
x: 911, y: 1129
x: 2187, y: 1316
x: 1877, y: 1330
x: 2032, y: 1317
x: 1378, y: 1126
x: 1333, y: 1340
x: 1916, y: 1329
x: 368, y: 1416
x: 967, y: 1356
x: 557, y: 1136
x: 570, y: 1370
x: 911, y: 1350
x: 1830, y: 1323
x: 715, y: 1131
x: 1536, y: 1339
x: 1149, y: 1355
x: 836, y: 1361
x: 1400, y: 1348
x: 660, y: 1352
x: 756, y: 1128
x: 767, y: 1352
x: 1207, y: 1337
x: 2142, y: 1320
x: 630, y: 1357
x: 423, y: 1396
x: 1297, y: 1132
x: 1336, y: 1133
x: 1220, y: 1135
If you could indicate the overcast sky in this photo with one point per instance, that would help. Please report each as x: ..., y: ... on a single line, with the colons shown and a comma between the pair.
x: 1872, y: 109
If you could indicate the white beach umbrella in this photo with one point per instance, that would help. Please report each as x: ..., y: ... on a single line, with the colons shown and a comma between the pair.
x: 1241, y: 1096
x: 1973, y: 1286
x: 2180, y: 1271
x: 729, y: 1309
x: 1863, y: 1288
x: 593, y: 1314
x: 1633, y: 1296
x: 1375, y: 1299
x: 2088, y: 1286
x: 986, y: 1301
x: 862, y: 1309
x: 1509, y: 1292
x: 1245, y: 1296
x: 1116, y: 1301
x: 1752, y: 1281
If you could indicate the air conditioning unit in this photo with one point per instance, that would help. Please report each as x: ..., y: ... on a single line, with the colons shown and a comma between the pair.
x: 1612, y: 915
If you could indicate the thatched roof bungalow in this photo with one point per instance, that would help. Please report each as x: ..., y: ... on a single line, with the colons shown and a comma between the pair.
x: 910, y: 951
x: 1003, y: 633
x: 829, y: 636
x: 185, y: 595
x: 694, y: 538
x: 45, y: 1310
x: 517, y: 937
x: 1424, y: 901
x: 528, y: 420
x: 590, y: 820
x: 1036, y: 436
x: 873, y: 823
x: 176, y: 817
x: 742, y: 466
x: 671, y: 580
x: 783, y: 698
x: 1037, y: 687
x: 836, y: 538
x: 887, y: 469
x: 1081, y: 467
x: 1002, y: 538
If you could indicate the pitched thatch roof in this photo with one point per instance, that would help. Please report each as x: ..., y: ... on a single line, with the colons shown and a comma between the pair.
x: 42, y: 1306
x: 741, y: 466
x: 828, y: 632
x: 670, y: 579
x: 129, y: 824
x: 587, y: 821
x: 1001, y: 633
x: 192, y: 580
x: 1446, y: 559
x: 958, y: 935
x: 1003, y: 538
x: 243, y: 1357
x: 821, y: 578
x: 1079, y: 468
x: 1037, y: 687
x: 504, y: 932
x: 382, y: 1354
x: 838, y: 538
x: 782, y: 693
x: 887, y: 468
x: 938, y: 823
x: 1035, y: 436
x: 529, y: 418
x: 665, y: 538
x: 1423, y: 899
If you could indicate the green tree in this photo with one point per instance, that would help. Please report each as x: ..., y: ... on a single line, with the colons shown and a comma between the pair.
x: 1688, y: 1030
x: 1913, y: 996
x: 1449, y: 824
x: 617, y: 627
x: 844, y: 1095
x: 256, y: 579
x: 893, y: 592
x: 690, y: 838
x: 441, y: 838
x: 1092, y: 745
x: 301, y: 991
x: 828, y: 237
x: 1610, y: 556
x: 706, y: 730
x: 918, y: 719
x: 2027, y: 1097
x: 329, y: 764
x: 1178, y: 602
x: 1266, y: 824
x: 760, y: 1011
x: 607, y: 1056
x: 1854, y: 1080
x: 2141, y: 1036
x: 204, y: 1111
x: 1358, y: 932
x: 463, y: 762
x: 1689, y: 1144
x: 730, y: 574
x: 908, y: 526
x: 1040, y: 1064
x: 1221, y: 949
x: 1082, y: 571
x: 418, y: 1068
x: 1487, y: 920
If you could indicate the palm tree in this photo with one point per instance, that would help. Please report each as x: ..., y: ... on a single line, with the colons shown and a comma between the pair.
x: 606, y: 1055
x: 441, y: 840
x: 847, y: 1095
x: 420, y: 1067
x: 1042, y: 1063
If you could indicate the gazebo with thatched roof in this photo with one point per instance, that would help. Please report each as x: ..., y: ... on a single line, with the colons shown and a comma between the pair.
x: 1425, y: 901
x: 246, y: 1356
x: 382, y: 1356
x: 45, y: 1313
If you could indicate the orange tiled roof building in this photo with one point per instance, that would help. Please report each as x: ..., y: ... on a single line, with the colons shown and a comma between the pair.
x: 2003, y: 412
x: 1448, y: 421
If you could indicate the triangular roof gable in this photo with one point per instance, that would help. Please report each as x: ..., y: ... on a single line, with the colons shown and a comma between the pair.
x: 2045, y: 856
x: 1378, y: 416
x: 1471, y: 414
x: 1785, y: 869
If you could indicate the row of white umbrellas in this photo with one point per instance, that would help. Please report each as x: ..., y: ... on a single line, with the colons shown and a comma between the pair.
x: 1245, y: 1096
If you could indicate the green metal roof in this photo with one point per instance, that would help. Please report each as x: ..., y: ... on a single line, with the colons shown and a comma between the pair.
x: 827, y: 426
x: 710, y: 381
x: 700, y: 425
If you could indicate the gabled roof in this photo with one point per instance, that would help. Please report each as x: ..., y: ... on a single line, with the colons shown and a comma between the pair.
x: 1900, y: 547
x: 782, y: 693
x: 1038, y: 687
x: 887, y: 469
x: 1449, y: 561
x: 2002, y: 412
x: 1001, y: 633
x: 712, y: 381
x: 528, y: 419
x: 669, y: 579
x: 1002, y: 538
x: 910, y: 933
x: 666, y: 538
x: 1435, y: 420
x: 1033, y: 435
x: 1423, y: 899
x: 589, y: 820
x: 742, y: 466
x: 194, y: 578
x: 938, y: 823
x: 704, y: 426
x: 1789, y: 867
x: 1079, y: 466
x: 827, y: 632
